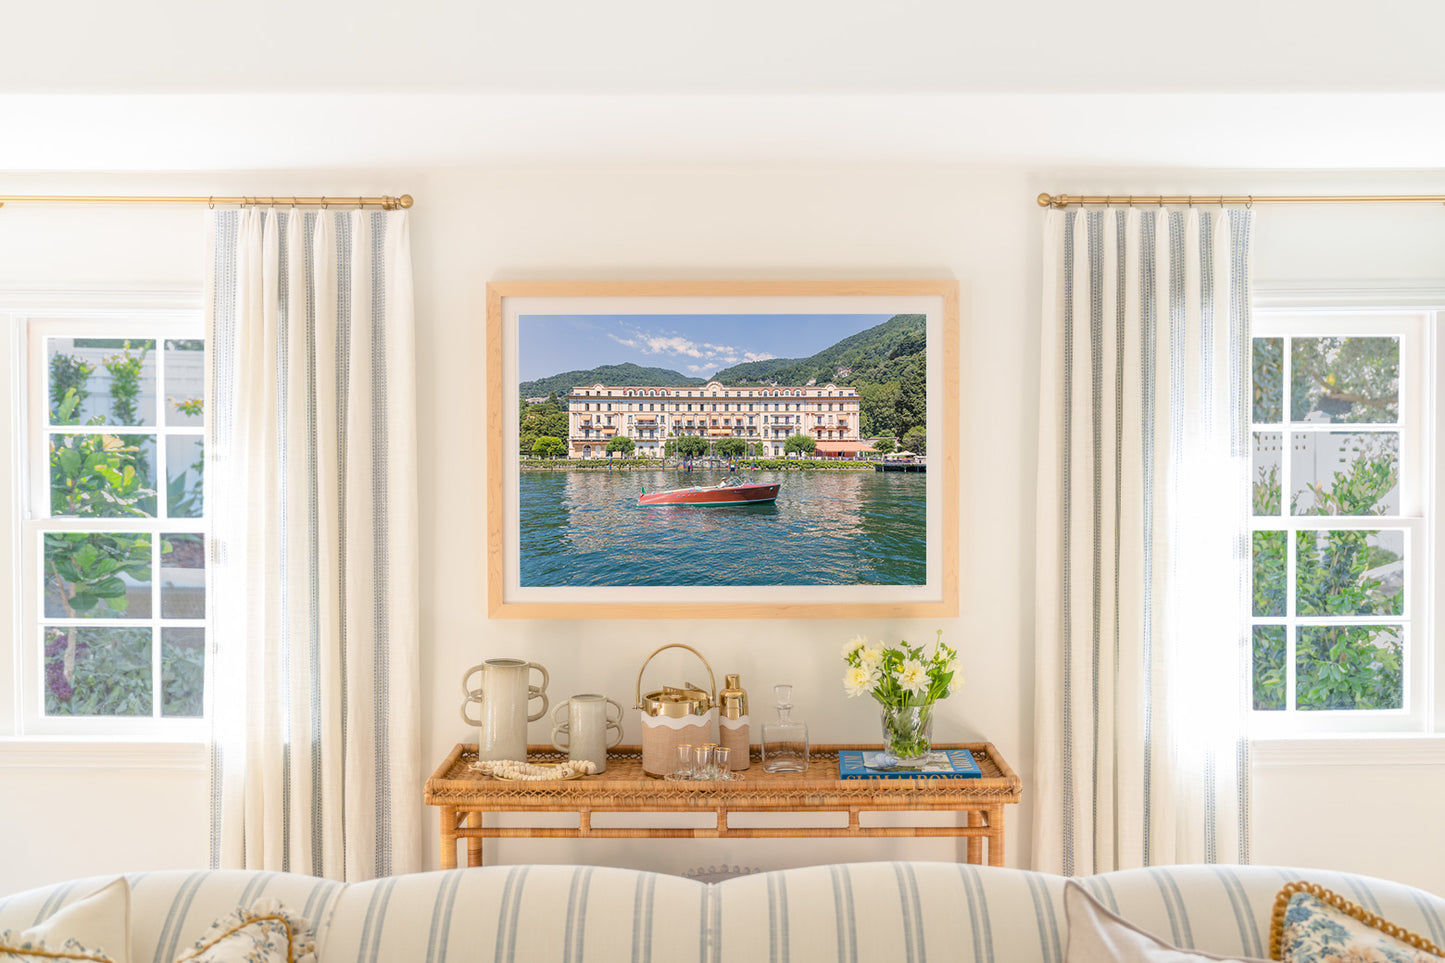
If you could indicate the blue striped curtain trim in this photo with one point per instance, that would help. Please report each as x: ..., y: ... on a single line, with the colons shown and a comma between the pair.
x: 381, y: 651
x: 343, y: 390
x: 285, y: 451
x: 1242, y: 353
x: 1067, y: 595
x: 1148, y: 382
x: 1095, y: 224
x: 1206, y: 297
x: 220, y: 355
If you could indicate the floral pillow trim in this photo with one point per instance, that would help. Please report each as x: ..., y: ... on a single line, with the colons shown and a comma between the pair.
x: 266, y: 933
x: 14, y: 948
x: 1314, y: 925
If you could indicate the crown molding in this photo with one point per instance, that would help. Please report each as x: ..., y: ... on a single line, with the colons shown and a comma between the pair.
x: 98, y: 297
x: 1333, y: 295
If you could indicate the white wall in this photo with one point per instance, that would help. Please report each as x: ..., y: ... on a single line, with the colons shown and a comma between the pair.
x: 978, y: 226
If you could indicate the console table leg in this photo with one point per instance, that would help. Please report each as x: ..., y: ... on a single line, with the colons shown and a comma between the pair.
x: 474, y: 843
x: 995, y: 836
x: 449, y: 837
x: 975, y: 843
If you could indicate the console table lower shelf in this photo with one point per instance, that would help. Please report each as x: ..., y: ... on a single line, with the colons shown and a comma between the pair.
x: 464, y: 795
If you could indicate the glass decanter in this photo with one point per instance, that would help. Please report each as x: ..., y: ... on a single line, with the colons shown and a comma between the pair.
x: 785, y: 740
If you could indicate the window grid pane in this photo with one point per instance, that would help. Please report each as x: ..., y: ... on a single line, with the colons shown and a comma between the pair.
x: 1330, y: 622
x: 121, y: 593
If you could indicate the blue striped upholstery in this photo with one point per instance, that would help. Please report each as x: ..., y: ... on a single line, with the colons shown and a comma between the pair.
x: 850, y: 913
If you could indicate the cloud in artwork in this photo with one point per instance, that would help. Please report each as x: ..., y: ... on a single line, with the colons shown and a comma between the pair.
x: 672, y: 346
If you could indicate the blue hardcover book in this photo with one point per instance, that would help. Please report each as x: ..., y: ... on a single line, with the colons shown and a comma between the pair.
x: 940, y: 764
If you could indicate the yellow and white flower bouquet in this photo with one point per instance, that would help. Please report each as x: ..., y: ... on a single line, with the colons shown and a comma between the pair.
x: 906, y: 681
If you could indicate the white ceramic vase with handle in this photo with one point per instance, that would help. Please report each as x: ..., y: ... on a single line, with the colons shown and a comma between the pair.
x: 583, y: 727
x: 503, y: 695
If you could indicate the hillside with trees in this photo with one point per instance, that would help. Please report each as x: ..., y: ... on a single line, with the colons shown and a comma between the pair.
x: 608, y: 374
x: 886, y: 363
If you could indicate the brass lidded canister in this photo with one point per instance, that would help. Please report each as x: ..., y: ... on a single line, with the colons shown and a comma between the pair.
x: 734, y: 732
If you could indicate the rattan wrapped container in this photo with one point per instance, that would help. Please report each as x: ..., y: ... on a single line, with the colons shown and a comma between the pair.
x: 674, y: 716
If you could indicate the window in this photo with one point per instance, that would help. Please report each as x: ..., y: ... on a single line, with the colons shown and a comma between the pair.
x: 113, y: 630
x: 1342, y: 547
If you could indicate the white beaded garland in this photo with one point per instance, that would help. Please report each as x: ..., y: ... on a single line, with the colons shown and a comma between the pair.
x: 531, y: 772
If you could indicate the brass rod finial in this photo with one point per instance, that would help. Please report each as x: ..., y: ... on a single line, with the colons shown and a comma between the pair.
x: 404, y: 201
x: 1045, y: 200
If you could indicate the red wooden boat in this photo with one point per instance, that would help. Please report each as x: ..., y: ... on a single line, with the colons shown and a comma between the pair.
x: 726, y: 493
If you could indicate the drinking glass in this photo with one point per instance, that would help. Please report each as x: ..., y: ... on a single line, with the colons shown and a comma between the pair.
x: 682, y: 767
x: 703, y: 765
x: 721, y: 758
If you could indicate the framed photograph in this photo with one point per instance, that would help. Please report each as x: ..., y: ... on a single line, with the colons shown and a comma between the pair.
x: 722, y: 449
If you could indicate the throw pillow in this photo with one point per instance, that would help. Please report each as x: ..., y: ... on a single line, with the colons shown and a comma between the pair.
x: 1313, y: 925
x: 96, y: 928
x: 1098, y: 936
x: 266, y: 933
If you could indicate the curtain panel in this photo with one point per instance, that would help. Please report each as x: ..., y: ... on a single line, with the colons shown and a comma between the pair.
x: 1142, y: 654
x: 316, y: 756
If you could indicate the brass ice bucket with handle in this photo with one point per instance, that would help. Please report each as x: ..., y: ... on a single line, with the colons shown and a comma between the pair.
x: 674, y: 716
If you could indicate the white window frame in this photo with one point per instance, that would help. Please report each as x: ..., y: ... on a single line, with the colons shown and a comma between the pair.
x: 1416, y: 323
x: 30, y: 405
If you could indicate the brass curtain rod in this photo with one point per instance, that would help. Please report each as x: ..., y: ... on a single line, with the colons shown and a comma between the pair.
x: 1060, y: 201
x: 384, y: 202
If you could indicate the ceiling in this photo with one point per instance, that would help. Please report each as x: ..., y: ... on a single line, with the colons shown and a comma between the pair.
x: 165, y: 84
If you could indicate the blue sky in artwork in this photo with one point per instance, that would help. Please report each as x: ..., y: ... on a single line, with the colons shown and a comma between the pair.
x: 697, y: 345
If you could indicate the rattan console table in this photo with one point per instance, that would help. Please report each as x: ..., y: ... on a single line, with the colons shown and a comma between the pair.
x: 464, y: 795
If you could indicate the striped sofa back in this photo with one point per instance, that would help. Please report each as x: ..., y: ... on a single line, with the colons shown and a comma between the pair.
x: 851, y: 912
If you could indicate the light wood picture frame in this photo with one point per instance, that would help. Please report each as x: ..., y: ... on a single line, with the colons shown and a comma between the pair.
x: 712, y: 325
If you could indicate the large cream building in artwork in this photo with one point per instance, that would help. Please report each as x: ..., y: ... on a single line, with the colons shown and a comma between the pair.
x: 762, y: 416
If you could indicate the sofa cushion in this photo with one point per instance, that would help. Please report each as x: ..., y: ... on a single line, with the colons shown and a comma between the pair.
x: 94, y: 927
x: 267, y: 932
x: 1312, y: 924
x: 1098, y: 936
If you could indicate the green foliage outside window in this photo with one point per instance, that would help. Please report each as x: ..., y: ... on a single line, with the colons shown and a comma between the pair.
x: 125, y: 374
x: 98, y: 670
x: 1338, y: 574
x: 1347, y: 380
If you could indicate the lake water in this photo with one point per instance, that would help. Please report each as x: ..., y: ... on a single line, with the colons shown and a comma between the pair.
x: 826, y: 528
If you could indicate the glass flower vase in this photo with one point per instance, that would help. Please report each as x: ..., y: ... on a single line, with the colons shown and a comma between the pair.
x: 907, y: 735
